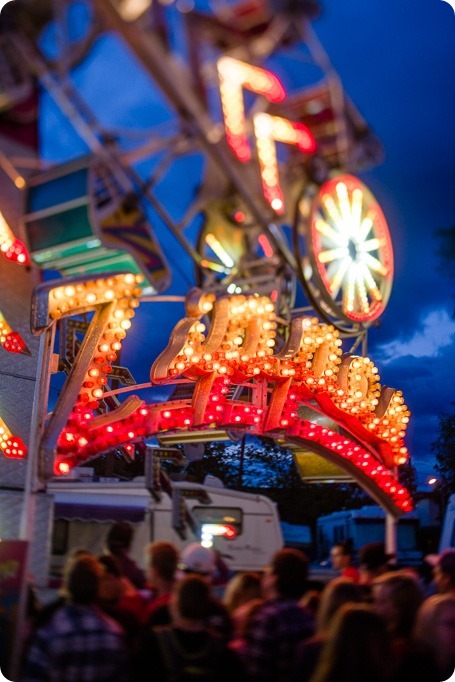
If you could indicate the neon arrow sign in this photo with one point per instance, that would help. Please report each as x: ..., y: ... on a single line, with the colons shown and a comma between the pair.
x: 234, y: 76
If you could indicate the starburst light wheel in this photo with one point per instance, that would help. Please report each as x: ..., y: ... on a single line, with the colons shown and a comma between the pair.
x: 345, y: 252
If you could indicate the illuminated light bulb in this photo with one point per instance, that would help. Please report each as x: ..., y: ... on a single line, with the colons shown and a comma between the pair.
x: 277, y: 204
x: 63, y: 467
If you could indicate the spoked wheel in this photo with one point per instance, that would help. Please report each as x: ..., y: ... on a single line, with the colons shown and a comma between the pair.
x: 345, y: 252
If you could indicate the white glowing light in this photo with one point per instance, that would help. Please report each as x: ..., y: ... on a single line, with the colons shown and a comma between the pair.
x: 349, y: 249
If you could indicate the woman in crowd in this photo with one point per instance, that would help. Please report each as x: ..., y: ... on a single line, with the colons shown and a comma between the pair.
x: 397, y: 596
x: 335, y: 594
x: 357, y: 647
x: 435, y: 627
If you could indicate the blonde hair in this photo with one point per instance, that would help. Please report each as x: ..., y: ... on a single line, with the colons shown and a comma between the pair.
x: 403, y: 591
x: 241, y: 588
x: 357, y: 647
x: 337, y: 592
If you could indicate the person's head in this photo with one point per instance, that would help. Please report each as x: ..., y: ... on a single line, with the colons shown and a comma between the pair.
x: 373, y: 560
x: 286, y: 577
x: 335, y: 594
x: 241, y: 588
x: 111, y: 586
x: 443, y: 570
x: 119, y: 537
x: 341, y: 555
x: 435, y: 626
x: 196, y: 559
x: 397, y: 597
x: 243, y: 615
x: 191, y: 600
x: 357, y: 647
x: 163, y: 558
x: 81, y: 579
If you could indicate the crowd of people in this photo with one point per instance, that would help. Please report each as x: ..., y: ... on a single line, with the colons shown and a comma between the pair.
x: 186, y: 618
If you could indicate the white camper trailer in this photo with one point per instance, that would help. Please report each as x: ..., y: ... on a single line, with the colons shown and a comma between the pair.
x: 365, y: 525
x: 243, y: 527
x: 448, y: 528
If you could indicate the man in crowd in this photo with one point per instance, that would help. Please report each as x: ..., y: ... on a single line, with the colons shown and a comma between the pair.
x: 281, y: 623
x: 78, y: 642
x: 443, y: 570
x: 374, y: 561
x: 341, y: 558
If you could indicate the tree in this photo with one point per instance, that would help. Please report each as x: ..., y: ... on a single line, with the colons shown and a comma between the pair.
x: 266, y: 468
x: 408, y: 477
x: 444, y: 449
x: 446, y: 251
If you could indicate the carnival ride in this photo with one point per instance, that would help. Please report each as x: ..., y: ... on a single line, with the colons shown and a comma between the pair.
x: 291, y: 252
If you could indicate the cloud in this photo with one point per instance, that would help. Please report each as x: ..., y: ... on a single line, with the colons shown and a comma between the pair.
x: 437, y: 331
x: 422, y: 367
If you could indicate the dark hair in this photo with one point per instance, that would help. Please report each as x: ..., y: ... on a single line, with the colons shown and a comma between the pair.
x: 119, y: 537
x: 193, y: 598
x: 290, y: 567
x: 345, y: 546
x: 374, y: 556
x: 81, y: 579
x: 163, y: 557
x: 110, y: 565
x: 446, y: 563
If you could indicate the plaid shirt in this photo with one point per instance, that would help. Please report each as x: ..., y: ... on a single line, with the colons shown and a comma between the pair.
x: 272, y: 638
x: 78, y: 644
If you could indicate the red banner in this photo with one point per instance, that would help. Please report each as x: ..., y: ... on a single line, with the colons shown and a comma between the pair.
x: 13, y: 554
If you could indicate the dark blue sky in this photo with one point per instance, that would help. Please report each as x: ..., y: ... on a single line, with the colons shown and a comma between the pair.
x: 397, y: 61
x: 397, y: 64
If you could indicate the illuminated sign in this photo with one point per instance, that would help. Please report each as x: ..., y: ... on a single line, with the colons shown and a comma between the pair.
x: 10, y: 340
x: 234, y: 76
x: 11, y: 446
x: 238, y: 348
x: 13, y: 249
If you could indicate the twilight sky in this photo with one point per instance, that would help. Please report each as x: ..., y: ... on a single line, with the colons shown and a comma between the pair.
x: 397, y: 63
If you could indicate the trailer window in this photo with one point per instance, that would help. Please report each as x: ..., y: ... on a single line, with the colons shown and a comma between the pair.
x: 407, y: 536
x: 60, y: 537
x: 231, y: 516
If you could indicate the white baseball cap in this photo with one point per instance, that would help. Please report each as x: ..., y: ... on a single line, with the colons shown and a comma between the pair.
x: 197, y: 559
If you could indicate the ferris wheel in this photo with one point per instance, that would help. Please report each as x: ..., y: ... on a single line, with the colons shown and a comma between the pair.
x: 276, y: 210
